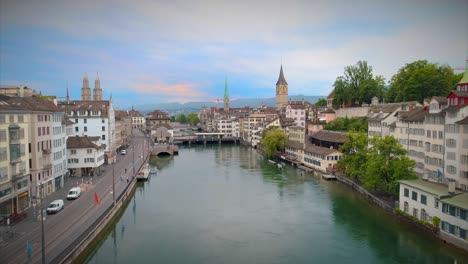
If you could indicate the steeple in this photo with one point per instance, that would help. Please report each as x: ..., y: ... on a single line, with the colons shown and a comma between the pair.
x: 281, y: 79
x: 68, y: 94
x: 462, y: 85
x: 226, y: 96
x: 97, y: 89
x: 85, y: 90
x: 281, y: 90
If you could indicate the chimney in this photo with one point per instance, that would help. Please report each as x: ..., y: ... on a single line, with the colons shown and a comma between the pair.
x: 451, y: 186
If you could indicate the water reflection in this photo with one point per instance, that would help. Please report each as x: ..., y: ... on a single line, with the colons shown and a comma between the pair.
x: 161, y: 162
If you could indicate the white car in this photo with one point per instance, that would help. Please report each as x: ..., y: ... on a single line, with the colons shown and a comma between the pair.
x: 55, y: 207
x: 123, y: 152
x: 74, y: 193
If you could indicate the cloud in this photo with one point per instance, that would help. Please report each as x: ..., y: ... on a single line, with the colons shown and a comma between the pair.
x: 181, y: 92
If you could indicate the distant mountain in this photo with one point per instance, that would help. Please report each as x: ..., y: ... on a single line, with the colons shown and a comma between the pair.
x: 175, y: 108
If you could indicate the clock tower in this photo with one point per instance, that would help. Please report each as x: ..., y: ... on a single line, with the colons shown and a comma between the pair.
x: 281, y: 91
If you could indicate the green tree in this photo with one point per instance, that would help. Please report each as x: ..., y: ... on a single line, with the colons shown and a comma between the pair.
x: 274, y: 139
x: 387, y: 163
x: 173, y: 118
x: 354, y: 155
x: 181, y: 118
x: 348, y: 124
x: 357, y: 86
x: 192, y: 119
x: 321, y: 103
x: 421, y: 79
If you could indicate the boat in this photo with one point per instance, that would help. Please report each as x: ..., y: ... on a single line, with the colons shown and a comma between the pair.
x: 279, y: 166
x: 143, y: 174
x: 153, y: 172
x: 272, y: 162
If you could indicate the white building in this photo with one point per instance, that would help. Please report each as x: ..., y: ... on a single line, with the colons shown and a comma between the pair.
x: 59, y: 149
x: 85, y: 155
x: 425, y: 200
x: 298, y: 113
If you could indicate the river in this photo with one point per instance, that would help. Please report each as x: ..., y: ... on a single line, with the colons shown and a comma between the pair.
x: 227, y: 204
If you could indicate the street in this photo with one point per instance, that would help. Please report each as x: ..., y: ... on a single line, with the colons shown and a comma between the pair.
x: 63, y: 228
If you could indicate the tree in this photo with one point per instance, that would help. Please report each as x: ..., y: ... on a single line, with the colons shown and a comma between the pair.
x: 321, y: 103
x: 421, y: 79
x: 357, y: 86
x: 387, y: 163
x: 173, y: 118
x: 193, y: 119
x: 181, y: 118
x: 354, y: 155
x: 348, y: 124
x: 273, y: 139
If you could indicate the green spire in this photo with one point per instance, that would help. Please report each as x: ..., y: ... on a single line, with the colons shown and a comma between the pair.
x: 226, y: 93
x: 464, y: 79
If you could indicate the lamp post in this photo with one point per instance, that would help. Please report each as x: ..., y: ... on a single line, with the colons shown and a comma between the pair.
x: 133, y: 164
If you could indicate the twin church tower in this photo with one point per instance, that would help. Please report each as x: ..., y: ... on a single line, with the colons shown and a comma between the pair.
x: 86, y: 91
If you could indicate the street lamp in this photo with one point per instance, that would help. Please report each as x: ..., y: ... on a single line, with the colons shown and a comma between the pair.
x: 42, y: 227
x: 113, y: 182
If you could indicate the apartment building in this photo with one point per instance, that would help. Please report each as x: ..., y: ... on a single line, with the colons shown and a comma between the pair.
x: 297, y: 112
x: 59, y: 149
x: 85, y: 155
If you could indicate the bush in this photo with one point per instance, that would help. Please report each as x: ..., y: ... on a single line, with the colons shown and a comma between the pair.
x: 436, y: 221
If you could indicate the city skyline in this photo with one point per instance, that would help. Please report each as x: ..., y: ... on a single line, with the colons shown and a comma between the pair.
x: 174, y: 52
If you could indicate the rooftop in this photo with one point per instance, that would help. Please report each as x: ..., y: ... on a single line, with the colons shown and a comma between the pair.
x: 460, y: 200
x: 430, y: 187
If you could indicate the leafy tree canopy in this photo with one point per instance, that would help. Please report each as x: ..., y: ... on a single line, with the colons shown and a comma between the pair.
x: 181, y: 118
x: 348, y: 124
x: 321, y: 103
x: 421, y: 79
x: 378, y: 168
x: 274, y: 139
x: 357, y: 86
x: 193, y: 119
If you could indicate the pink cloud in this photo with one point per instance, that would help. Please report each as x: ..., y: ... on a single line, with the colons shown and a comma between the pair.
x: 181, y: 92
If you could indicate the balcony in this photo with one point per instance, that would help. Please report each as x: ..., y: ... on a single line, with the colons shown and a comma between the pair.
x: 47, y: 166
x: 46, y: 151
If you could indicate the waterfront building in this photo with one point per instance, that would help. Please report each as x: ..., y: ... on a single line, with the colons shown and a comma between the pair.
x: 156, y: 117
x: 123, y: 128
x: 296, y: 112
x: 138, y: 120
x: 281, y: 91
x: 14, y: 159
x: 425, y: 200
x: 85, y: 155
x: 162, y: 133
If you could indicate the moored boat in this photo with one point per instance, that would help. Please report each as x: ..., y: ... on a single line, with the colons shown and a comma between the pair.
x: 143, y: 174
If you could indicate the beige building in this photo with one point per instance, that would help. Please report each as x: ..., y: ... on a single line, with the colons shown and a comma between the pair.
x: 17, y: 91
x: 138, y: 120
x: 14, y: 159
x: 156, y: 117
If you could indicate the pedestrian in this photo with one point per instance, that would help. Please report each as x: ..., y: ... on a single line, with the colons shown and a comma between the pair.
x: 127, y: 179
x: 125, y: 170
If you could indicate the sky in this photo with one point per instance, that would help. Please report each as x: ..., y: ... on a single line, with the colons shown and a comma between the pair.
x: 181, y: 51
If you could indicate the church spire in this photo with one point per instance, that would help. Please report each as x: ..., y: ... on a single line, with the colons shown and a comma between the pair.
x: 97, y: 89
x: 85, y: 90
x: 226, y: 96
x: 281, y: 79
x: 68, y: 94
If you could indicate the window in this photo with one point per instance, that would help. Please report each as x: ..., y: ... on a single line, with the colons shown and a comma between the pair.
x: 406, y: 192
x: 103, y: 121
x: 89, y: 151
x: 423, y: 199
x: 20, y: 118
x: 451, y: 169
x: 39, y: 131
x: 85, y: 129
x: 76, y: 129
x: 85, y: 121
x: 2, y: 119
x: 73, y: 151
x: 103, y: 129
x: 3, y: 135
x: 436, y: 203
x: 48, y: 130
x: 414, y: 196
x: 103, y: 137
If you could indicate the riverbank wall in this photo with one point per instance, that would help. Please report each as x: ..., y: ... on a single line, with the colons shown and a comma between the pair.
x: 74, y: 252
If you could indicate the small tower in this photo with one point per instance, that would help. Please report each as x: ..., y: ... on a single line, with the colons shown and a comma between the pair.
x: 226, y: 97
x: 68, y: 95
x: 85, y: 91
x: 281, y: 90
x: 462, y: 85
x: 97, y: 89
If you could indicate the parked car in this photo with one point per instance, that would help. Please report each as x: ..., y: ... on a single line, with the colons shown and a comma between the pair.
x: 74, y: 193
x: 55, y: 207
x: 123, y: 151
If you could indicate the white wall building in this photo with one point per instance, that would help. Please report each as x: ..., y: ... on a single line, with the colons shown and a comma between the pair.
x: 85, y: 155
x: 59, y: 149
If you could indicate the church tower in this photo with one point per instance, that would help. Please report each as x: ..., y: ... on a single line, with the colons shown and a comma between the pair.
x: 281, y: 90
x: 97, y: 89
x: 226, y: 97
x: 85, y: 91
